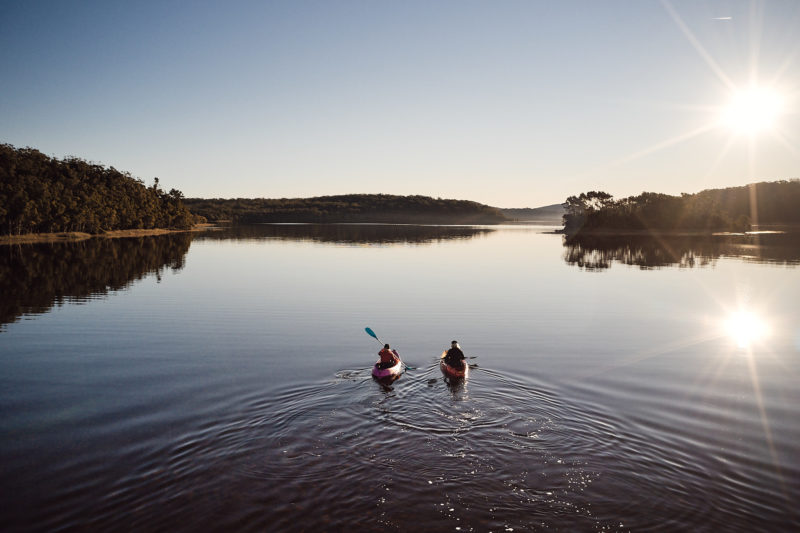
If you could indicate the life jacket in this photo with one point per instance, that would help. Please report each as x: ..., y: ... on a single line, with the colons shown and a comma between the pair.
x: 387, y: 356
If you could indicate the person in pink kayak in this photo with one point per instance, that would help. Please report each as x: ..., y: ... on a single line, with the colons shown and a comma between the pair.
x: 389, y: 357
x: 454, y: 357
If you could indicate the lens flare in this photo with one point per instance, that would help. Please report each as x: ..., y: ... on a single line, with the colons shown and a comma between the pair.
x: 753, y: 110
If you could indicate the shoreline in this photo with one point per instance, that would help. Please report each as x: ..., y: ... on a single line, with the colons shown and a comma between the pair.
x: 637, y: 233
x: 606, y: 232
x: 76, y: 236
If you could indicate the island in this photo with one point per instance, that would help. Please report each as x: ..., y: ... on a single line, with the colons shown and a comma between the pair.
x: 763, y: 205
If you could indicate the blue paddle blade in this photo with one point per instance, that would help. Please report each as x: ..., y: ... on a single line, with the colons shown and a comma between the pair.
x: 370, y: 332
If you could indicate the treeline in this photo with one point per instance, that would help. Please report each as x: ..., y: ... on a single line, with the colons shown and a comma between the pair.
x: 40, y: 194
x: 731, y: 209
x: 347, y: 208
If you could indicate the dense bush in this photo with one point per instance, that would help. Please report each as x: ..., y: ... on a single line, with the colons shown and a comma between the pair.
x: 731, y: 209
x: 347, y: 208
x: 40, y: 194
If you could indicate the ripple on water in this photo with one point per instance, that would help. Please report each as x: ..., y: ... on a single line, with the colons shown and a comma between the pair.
x: 421, y: 454
x: 495, y: 452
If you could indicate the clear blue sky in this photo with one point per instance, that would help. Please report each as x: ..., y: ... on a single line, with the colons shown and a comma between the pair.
x: 507, y: 103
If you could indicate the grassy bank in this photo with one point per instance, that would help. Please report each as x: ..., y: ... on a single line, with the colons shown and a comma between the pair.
x: 73, y: 236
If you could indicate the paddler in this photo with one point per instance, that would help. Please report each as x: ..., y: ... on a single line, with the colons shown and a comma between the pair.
x: 389, y: 357
x: 454, y: 356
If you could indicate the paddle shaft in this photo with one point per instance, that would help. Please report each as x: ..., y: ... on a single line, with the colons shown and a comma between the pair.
x: 374, y: 336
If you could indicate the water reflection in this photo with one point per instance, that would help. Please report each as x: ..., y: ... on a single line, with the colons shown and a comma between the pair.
x: 35, y: 277
x: 457, y: 387
x: 598, y: 252
x: 746, y: 328
x: 347, y: 234
x: 240, y: 398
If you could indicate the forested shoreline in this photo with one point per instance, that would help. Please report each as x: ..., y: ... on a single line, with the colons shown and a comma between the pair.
x: 734, y: 209
x: 44, y: 195
x: 40, y: 194
x: 384, y: 208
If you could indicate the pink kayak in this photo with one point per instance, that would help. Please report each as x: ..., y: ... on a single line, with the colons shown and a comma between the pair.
x: 392, y: 371
x: 451, y: 371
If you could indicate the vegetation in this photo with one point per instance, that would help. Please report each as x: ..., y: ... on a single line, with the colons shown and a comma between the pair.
x: 39, y: 194
x: 731, y: 209
x: 347, y: 208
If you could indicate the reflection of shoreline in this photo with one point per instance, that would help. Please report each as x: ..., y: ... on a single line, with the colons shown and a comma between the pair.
x: 75, y: 236
x: 35, y: 277
x: 346, y: 233
x: 603, y: 232
x: 600, y: 251
x: 632, y: 232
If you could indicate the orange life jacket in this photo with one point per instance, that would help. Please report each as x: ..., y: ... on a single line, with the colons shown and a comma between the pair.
x: 387, y: 356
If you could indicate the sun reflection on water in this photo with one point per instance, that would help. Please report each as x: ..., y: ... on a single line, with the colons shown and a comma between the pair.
x: 746, y: 328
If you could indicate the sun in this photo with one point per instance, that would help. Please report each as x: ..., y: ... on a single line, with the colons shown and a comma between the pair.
x: 753, y: 110
x: 745, y: 328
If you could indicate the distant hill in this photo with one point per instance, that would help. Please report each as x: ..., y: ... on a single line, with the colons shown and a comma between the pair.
x: 549, y: 214
x: 384, y: 208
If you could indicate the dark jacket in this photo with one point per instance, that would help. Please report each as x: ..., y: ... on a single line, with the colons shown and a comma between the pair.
x: 454, y: 357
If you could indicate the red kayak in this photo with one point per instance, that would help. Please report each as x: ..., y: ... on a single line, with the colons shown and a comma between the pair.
x: 452, y: 371
x: 392, y: 371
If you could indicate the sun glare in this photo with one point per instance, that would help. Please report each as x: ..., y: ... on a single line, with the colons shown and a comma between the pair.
x: 753, y: 110
x: 745, y: 328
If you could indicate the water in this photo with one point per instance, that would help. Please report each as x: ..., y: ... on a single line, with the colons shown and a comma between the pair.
x: 221, y: 381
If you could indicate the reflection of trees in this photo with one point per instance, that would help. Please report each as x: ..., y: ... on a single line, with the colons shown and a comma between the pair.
x: 596, y: 252
x: 347, y: 233
x: 35, y: 277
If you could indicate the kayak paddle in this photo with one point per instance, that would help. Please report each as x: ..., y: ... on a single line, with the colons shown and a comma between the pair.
x: 372, y: 334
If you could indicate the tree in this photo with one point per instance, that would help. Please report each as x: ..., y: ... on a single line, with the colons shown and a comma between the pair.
x: 42, y: 194
x: 580, y: 208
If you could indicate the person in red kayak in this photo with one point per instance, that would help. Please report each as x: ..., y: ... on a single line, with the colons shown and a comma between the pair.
x: 389, y: 357
x: 454, y: 356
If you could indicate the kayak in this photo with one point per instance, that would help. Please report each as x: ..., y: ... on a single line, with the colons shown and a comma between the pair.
x: 392, y: 371
x: 451, y: 371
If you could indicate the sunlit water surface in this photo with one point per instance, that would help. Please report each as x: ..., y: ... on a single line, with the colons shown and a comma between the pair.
x: 222, y: 382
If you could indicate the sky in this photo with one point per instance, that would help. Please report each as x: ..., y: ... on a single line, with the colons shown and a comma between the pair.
x: 511, y: 104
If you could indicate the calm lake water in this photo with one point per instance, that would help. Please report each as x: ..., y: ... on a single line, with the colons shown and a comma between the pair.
x: 221, y: 381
